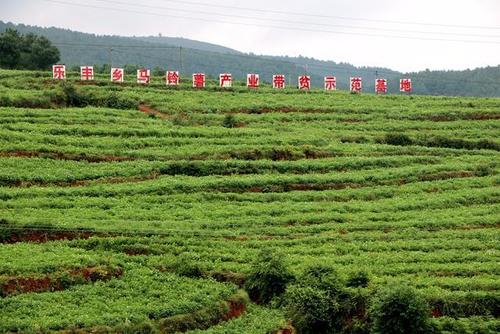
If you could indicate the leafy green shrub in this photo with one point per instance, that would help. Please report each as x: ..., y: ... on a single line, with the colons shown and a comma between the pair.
x: 354, y: 139
x: 229, y: 121
x: 117, y: 102
x: 5, y: 101
x: 206, y: 317
x: 469, y: 325
x: 487, y: 145
x: 356, y: 312
x: 312, y: 310
x: 185, y: 266
x: 467, y: 305
x: 485, y: 170
x: 252, y: 154
x: 5, y: 232
x: 358, y: 279
x: 57, y: 97
x: 280, y: 154
x: 400, y: 310
x: 73, y: 97
x: 205, y: 168
x: 440, y: 141
x: 146, y: 327
x: 181, y: 120
x: 269, y: 277
x: 182, y: 168
x: 324, y: 278
x: 319, y: 302
x: 448, y: 143
x: 398, y: 139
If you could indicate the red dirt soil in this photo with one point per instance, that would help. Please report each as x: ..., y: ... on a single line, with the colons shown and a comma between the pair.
x: 286, y: 330
x: 19, y: 285
x: 436, y: 313
x: 236, y: 309
x: 83, y: 183
x: 151, y: 111
x: 42, y: 236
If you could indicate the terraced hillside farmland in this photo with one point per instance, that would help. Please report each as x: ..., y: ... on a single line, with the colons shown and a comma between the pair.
x: 129, y: 208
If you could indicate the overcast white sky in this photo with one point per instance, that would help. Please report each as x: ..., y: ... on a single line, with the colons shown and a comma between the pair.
x: 329, y: 30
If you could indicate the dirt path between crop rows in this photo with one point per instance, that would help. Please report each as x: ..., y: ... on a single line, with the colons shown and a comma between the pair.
x: 58, y: 281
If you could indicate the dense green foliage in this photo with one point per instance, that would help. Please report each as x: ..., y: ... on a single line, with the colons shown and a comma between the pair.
x: 318, y: 302
x: 371, y: 192
x: 321, y: 302
x: 269, y: 277
x: 141, y: 294
x: 400, y: 310
x: 30, y: 51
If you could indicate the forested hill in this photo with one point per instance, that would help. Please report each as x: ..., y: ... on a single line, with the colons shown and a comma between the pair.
x: 191, y: 56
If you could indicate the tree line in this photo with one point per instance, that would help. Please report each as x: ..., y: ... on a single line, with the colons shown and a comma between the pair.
x: 29, y: 51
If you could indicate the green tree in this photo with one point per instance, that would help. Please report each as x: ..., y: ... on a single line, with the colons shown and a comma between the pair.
x: 10, y: 48
x: 43, y: 54
x: 28, y: 51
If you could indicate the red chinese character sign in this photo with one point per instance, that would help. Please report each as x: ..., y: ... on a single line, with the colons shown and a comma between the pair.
x: 199, y: 80
x: 305, y: 82
x: 117, y: 74
x: 279, y: 81
x: 356, y: 85
x: 58, y: 72
x: 143, y: 76
x: 86, y: 73
x: 225, y: 80
x: 330, y: 83
x: 405, y: 86
x: 381, y: 86
x: 253, y: 81
x: 173, y: 78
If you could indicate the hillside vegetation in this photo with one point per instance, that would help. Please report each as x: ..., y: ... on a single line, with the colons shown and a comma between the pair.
x: 145, y: 209
x: 190, y: 56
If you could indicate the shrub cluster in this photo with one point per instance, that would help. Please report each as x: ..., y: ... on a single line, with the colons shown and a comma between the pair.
x: 269, y: 277
x: 204, y: 318
x: 229, y: 121
x: 400, y: 139
x: 68, y: 95
x: 400, y: 310
x: 185, y: 266
x: 320, y: 301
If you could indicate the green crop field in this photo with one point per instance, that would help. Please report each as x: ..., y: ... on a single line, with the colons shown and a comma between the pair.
x: 136, y: 209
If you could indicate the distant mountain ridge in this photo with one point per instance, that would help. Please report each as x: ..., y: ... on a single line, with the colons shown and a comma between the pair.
x: 190, y: 56
x: 187, y: 43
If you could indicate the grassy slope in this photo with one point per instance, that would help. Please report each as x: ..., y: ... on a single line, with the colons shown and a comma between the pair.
x: 308, y: 173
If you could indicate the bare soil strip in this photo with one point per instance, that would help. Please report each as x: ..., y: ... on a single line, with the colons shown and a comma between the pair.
x: 57, y: 282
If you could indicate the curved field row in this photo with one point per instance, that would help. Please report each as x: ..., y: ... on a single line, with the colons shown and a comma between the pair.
x: 402, y: 188
x: 139, y: 290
